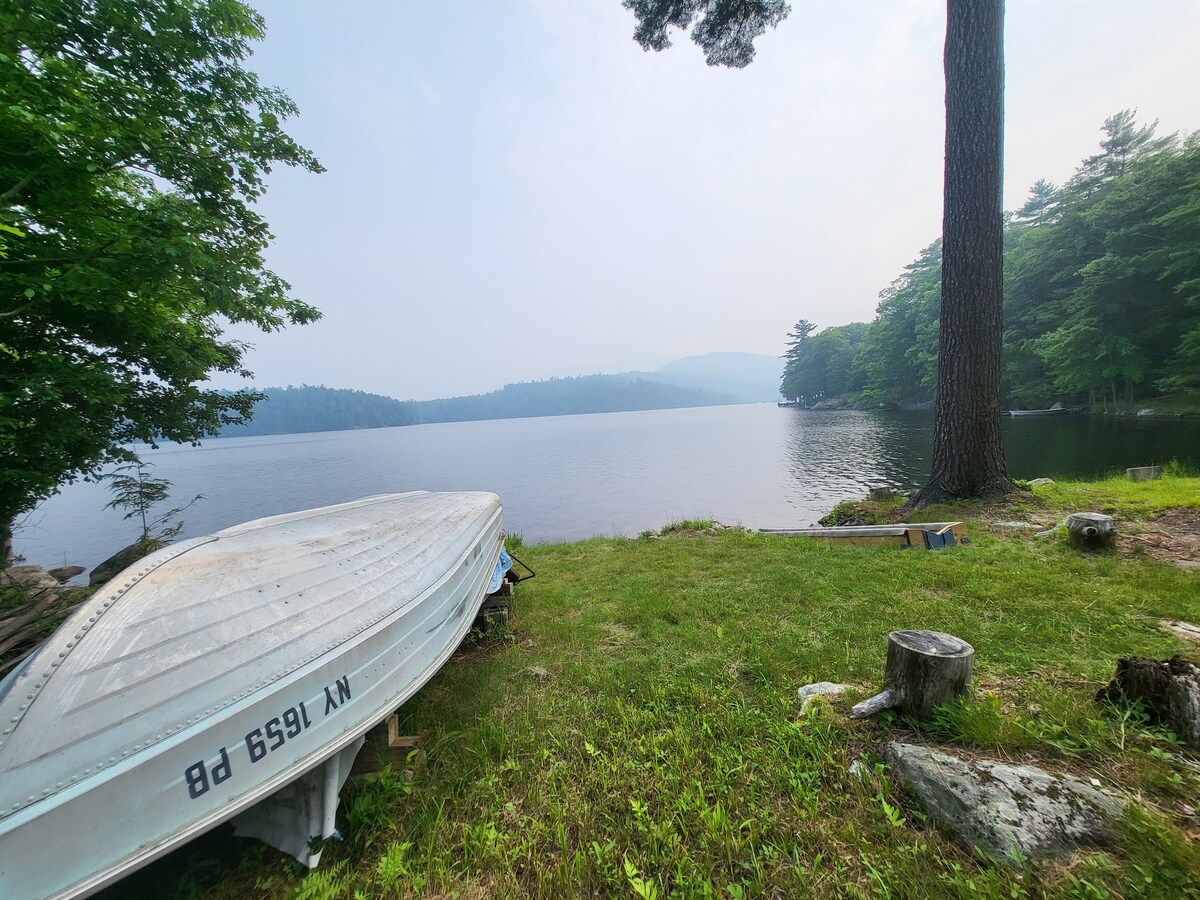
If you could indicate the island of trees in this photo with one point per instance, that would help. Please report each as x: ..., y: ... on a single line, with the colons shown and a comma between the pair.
x: 1101, y: 294
x: 307, y: 408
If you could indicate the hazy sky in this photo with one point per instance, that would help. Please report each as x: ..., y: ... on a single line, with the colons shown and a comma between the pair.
x: 516, y: 190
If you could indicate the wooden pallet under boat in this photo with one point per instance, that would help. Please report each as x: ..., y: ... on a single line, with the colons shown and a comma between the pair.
x: 923, y: 536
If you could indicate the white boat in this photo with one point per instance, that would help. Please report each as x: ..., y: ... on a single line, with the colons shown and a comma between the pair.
x: 230, y: 675
x: 1056, y: 410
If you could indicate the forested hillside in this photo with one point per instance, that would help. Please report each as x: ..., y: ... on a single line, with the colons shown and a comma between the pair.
x: 1102, y: 293
x: 292, y: 410
x: 299, y: 409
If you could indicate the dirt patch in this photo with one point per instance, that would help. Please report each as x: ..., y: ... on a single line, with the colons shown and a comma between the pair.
x: 1173, y: 537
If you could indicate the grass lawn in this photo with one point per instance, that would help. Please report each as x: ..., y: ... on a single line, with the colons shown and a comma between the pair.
x: 635, y: 731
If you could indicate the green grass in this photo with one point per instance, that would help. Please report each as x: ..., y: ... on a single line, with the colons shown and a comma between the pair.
x: 636, y: 733
x: 1118, y: 496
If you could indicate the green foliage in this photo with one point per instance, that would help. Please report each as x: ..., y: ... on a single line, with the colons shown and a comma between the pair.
x: 134, y: 146
x: 823, y: 364
x: 292, y: 410
x: 899, y: 355
x: 687, y: 526
x: 1102, y: 290
x: 725, y: 31
x: 136, y: 490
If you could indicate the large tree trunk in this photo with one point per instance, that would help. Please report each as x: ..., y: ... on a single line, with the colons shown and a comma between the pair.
x: 968, y: 454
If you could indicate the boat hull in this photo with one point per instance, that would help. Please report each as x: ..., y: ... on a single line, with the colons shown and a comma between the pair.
x: 113, y: 820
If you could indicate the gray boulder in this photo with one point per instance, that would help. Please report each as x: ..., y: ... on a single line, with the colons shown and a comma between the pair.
x: 123, y: 559
x: 1009, y: 812
x: 32, y: 578
x: 63, y: 574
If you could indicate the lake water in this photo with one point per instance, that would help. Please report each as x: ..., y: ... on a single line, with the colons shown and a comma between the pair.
x: 568, y: 477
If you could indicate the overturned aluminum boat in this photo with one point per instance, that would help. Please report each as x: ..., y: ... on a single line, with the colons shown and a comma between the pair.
x: 230, y: 675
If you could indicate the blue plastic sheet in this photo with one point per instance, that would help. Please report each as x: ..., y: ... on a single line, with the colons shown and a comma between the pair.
x: 503, y: 564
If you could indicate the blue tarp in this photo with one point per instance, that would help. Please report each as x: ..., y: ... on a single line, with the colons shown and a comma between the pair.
x: 503, y: 564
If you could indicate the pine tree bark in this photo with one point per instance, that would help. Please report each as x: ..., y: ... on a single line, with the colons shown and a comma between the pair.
x: 968, y: 452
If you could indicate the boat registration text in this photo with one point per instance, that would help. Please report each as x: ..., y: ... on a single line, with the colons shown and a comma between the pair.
x: 200, y: 777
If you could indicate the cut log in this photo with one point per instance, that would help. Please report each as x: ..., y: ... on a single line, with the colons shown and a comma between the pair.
x: 924, y: 669
x: 1168, y: 689
x: 1091, y: 531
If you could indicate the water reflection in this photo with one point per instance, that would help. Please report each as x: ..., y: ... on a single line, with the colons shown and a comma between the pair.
x: 570, y: 477
x: 836, y: 454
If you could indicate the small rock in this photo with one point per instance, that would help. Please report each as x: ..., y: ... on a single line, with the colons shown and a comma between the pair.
x: 1041, y: 481
x: 861, y: 770
x: 809, y: 692
x: 1009, y: 812
x: 65, y: 573
x: 123, y: 559
x: 33, y: 578
x: 1145, y: 412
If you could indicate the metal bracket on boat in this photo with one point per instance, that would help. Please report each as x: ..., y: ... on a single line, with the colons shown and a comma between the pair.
x: 517, y: 579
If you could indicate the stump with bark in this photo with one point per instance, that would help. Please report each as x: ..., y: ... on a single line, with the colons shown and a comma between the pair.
x: 1168, y: 689
x: 1091, y: 531
x: 924, y: 669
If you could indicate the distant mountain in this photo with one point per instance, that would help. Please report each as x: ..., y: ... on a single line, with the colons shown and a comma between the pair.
x: 747, y: 377
x: 291, y: 410
x: 569, y: 396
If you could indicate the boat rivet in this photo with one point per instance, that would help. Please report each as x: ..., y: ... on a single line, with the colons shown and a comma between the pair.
x: 80, y: 634
x: 112, y: 760
x: 45, y: 791
x: 60, y: 784
x: 16, y: 718
x: 31, y: 799
x: 29, y: 697
x: 16, y: 806
x: 24, y: 706
x: 62, y: 654
x: 54, y: 664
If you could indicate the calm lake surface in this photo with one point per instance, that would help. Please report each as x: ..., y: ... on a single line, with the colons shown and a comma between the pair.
x: 569, y: 477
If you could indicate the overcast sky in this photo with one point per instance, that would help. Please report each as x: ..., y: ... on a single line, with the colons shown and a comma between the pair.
x: 516, y: 190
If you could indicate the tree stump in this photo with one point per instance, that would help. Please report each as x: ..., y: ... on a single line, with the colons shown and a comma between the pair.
x: 924, y: 669
x: 1091, y: 531
x: 1169, y: 690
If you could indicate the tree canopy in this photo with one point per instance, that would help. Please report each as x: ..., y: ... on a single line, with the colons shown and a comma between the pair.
x: 133, y: 144
x: 1101, y: 293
